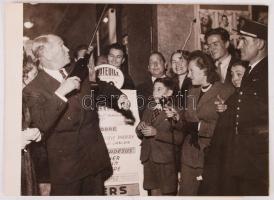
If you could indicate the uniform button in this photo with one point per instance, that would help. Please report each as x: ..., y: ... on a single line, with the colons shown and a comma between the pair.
x: 237, y: 123
x: 238, y: 108
x: 237, y: 116
x: 241, y: 93
x: 255, y: 93
x: 69, y: 118
x: 239, y: 100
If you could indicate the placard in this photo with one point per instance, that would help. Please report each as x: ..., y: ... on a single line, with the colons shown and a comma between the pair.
x: 124, y: 150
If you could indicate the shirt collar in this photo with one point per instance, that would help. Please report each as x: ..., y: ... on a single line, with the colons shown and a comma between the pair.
x: 55, y: 73
x: 224, y: 61
x: 254, y: 64
x: 154, y: 78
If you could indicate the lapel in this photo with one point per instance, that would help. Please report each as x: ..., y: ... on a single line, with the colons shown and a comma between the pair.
x: 50, y: 84
x: 212, y: 92
x: 147, y: 88
x: 160, y: 118
x: 149, y: 85
x: 259, y: 70
x: 47, y: 82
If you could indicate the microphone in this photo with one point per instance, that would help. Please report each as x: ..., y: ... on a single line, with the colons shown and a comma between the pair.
x: 165, y: 103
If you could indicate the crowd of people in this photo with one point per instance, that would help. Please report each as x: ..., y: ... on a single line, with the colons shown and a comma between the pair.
x: 203, y: 120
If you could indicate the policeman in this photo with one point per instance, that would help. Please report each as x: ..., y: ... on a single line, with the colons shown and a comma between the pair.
x: 250, y: 163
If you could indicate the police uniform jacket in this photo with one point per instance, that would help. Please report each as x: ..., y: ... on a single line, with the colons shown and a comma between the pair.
x: 239, y: 147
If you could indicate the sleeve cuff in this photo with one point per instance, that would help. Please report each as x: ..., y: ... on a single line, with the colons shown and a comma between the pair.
x: 61, y: 97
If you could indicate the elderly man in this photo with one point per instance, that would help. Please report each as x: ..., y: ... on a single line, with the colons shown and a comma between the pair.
x: 78, y: 157
x: 218, y: 42
x: 237, y: 162
x: 157, y: 68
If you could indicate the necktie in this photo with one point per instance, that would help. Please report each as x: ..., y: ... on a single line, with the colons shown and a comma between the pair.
x: 219, y: 70
x: 155, y: 114
x: 62, y: 73
x: 246, y: 74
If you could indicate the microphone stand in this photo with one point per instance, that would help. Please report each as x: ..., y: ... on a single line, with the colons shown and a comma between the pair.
x: 80, y: 68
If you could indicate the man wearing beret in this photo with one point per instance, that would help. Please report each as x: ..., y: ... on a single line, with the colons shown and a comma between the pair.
x: 237, y: 161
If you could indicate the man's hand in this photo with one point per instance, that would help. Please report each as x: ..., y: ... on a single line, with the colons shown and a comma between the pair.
x: 123, y: 102
x: 220, y: 106
x: 69, y: 85
x: 171, y: 113
x: 141, y: 125
x: 149, y: 131
x: 29, y: 135
x: 90, y: 49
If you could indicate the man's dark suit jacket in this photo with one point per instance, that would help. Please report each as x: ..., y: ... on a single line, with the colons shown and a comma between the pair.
x: 75, y: 144
x: 144, y: 94
x: 128, y: 82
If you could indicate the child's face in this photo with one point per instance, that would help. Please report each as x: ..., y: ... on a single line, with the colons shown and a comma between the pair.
x: 160, y: 90
x: 237, y: 73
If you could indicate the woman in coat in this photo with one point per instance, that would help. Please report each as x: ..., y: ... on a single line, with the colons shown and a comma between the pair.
x: 200, y: 117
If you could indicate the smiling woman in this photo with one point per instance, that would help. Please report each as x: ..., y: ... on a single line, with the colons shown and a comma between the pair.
x: 202, y: 70
x: 200, y: 122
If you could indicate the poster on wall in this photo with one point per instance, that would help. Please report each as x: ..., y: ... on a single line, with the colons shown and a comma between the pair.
x: 230, y: 20
x: 124, y: 150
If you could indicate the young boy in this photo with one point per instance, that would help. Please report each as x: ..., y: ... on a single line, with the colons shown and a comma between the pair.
x: 160, y: 133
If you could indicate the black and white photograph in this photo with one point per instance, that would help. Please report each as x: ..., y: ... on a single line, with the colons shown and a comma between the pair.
x: 141, y: 100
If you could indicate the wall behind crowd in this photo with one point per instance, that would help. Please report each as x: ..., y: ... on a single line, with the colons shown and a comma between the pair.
x: 73, y: 22
x: 174, y: 23
x: 162, y: 27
